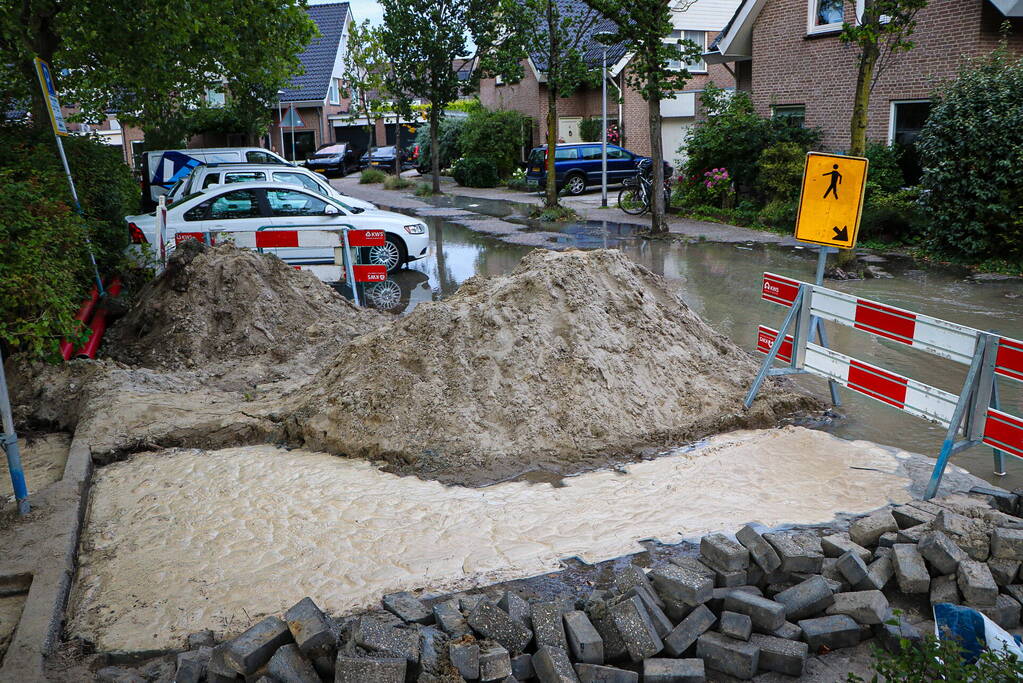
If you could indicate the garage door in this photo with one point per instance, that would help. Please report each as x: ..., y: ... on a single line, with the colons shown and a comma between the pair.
x: 357, y: 137
x: 673, y: 135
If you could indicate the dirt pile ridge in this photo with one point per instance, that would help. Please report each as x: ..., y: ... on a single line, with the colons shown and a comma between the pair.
x: 213, y: 304
x: 573, y: 359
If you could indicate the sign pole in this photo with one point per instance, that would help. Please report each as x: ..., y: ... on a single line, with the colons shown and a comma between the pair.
x: 59, y: 129
x: 9, y: 442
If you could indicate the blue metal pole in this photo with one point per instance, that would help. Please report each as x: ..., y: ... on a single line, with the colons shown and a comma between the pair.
x: 775, y: 347
x: 9, y: 442
x: 999, y: 456
x: 939, y: 469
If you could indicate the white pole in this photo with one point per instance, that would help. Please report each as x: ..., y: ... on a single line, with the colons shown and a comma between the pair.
x: 293, y: 116
x: 280, y: 122
x: 603, y: 134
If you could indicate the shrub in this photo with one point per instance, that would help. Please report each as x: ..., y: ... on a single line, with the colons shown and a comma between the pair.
x: 892, y: 217
x: 424, y: 190
x: 884, y: 173
x: 557, y: 214
x: 589, y: 129
x: 779, y: 214
x: 395, y: 182
x: 497, y: 136
x: 970, y: 149
x: 781, y: 171
x: 372, y: 175
x: 44, y: 265
x: 517, y: 180
x: 475, y: 172
x: 448, y: 141
x: 941, y: 660
x: 734, y: 136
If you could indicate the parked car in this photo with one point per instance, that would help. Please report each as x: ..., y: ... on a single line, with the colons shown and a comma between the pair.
x: 578, y: 166
x: 382, y: 157
x: 258, y: 207
x: 335, y: 159
x: 161, y: 169
x: 210, y: 175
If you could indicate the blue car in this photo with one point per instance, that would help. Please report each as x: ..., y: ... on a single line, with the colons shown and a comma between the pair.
x: 577, y: 166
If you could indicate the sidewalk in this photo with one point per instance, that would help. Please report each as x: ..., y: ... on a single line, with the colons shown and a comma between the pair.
x: 587, y: 205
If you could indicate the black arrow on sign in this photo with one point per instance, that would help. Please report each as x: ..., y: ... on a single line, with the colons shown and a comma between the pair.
x: 841, y: 235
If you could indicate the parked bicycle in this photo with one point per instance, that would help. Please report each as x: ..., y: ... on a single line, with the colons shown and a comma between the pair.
x: 634, y: 197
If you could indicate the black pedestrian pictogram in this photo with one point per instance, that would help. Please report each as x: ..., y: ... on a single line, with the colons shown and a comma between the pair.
x: 841, y: 235
x: 836, y: 180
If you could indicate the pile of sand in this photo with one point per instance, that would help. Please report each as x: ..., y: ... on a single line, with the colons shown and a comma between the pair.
x: 220, y: 303
x: 572, y: 360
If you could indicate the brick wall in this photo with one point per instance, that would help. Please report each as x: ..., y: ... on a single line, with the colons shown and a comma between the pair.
x: 819, y: 72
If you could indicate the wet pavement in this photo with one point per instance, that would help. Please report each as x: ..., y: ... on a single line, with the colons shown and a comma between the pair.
x: 722, y: 283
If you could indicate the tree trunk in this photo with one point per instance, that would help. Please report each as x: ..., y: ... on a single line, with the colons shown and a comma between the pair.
x: 435, y: 148
x: 657, y: 222
x: 397, y: 145
x: 858, y: 123
x: 551, y: 192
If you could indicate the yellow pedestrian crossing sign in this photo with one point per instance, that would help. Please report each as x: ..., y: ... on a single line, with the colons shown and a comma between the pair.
x: 831, y: 200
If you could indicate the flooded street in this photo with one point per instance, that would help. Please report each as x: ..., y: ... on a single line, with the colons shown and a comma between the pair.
x: 722, y: 282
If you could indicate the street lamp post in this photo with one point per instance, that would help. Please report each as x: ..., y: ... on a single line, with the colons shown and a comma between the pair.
x: 603, y: 38
x: 280, y: 119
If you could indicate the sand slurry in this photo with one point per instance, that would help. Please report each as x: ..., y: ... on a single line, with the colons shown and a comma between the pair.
x: 569, y: 359
x: 183, y: 540
x: 43, y: 457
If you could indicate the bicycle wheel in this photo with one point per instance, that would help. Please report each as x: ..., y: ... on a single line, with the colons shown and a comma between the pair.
x: 632, y: 199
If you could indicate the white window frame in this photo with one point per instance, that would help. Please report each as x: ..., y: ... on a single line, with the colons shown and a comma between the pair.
x: 811, y: 17
x: 699, y: 67
x: 891, y: 114
x: 333, y: 92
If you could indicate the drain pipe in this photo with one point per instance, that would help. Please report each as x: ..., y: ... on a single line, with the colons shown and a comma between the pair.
x: 83, y: 316
x: 99, y: 325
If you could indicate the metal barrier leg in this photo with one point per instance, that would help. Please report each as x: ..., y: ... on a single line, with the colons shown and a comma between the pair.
x: 9, y: 443
x: 818, y: 324
x: 822, y: 337
x: 939, y: 469
x: 948, y: 447
x: 775, y: 347
x: 999, y: 456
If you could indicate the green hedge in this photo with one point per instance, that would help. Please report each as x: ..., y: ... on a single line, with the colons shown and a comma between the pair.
x: 44, y: 267
x: 475, y: 172
x: 497, y: 136
x: 448, y: 139
x: 971, y: 149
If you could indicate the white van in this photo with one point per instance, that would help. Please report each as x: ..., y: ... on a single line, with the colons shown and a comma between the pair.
x: 162, y: 168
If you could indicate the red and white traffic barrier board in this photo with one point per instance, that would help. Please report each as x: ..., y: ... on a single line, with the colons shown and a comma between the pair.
x: 366, y: 238
x: 926, y: 333
x: 282, y: 239
x: 371, y: 273
x: 916, y: 398
x: 974, y: 413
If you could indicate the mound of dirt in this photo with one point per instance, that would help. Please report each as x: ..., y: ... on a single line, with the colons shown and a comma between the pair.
x: 573, y: 360
x: 213, y: 304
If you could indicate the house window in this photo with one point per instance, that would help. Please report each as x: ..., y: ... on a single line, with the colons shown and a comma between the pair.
x: 215, y: 98
x: 792, y: 114
x: 696, y: 66
x: 335, y: 97
x: 907, y: 120
x: 114, y: 123
x: 824, y: 16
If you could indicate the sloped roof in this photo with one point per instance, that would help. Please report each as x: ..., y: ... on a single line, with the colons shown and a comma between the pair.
x: 319, y: 57
x: 735, y: 42
x: 588, y: 45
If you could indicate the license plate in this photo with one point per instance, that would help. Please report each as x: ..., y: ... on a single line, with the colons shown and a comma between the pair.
x: 535, y: 169
x: 320, y: 170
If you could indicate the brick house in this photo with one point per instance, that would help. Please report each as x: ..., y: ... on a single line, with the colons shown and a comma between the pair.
x: 788, y: 55
x: 317, y: 94
x: 699, y: 21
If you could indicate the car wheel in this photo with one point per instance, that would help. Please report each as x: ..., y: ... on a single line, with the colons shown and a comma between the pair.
x: 384, y: 296
x: 391, y: 254
x: 575, y: 184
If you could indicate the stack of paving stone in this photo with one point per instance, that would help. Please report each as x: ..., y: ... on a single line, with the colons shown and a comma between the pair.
x: 752, y: 603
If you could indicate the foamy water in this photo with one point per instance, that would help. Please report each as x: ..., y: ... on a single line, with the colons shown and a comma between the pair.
x: 181, y: 541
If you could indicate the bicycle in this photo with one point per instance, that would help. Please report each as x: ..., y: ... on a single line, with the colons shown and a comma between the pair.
x: 634, y: 197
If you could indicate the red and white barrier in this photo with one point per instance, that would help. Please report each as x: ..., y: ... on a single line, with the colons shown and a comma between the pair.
x: 282, y: 239
x: 974, y: 412
x: 926, y: 333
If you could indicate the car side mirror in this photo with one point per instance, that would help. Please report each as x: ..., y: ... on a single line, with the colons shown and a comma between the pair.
x: 331, y: 210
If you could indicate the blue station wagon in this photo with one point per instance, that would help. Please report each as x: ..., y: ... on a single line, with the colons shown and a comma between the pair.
x: 577, y: 166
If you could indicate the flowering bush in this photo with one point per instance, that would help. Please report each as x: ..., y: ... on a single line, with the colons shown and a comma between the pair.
x: 718, y: 184
x: 613, y: 135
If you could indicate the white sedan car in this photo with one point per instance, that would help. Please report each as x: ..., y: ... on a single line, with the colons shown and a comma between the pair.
x: 278, y: 213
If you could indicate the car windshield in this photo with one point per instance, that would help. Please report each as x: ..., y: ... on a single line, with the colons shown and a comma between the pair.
x: 330, y: 151
x: 536, y: 156
x: 384, y: 151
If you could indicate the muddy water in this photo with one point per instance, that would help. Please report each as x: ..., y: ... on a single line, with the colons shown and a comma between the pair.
x: 722, y: 283
x: 161, y: 559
